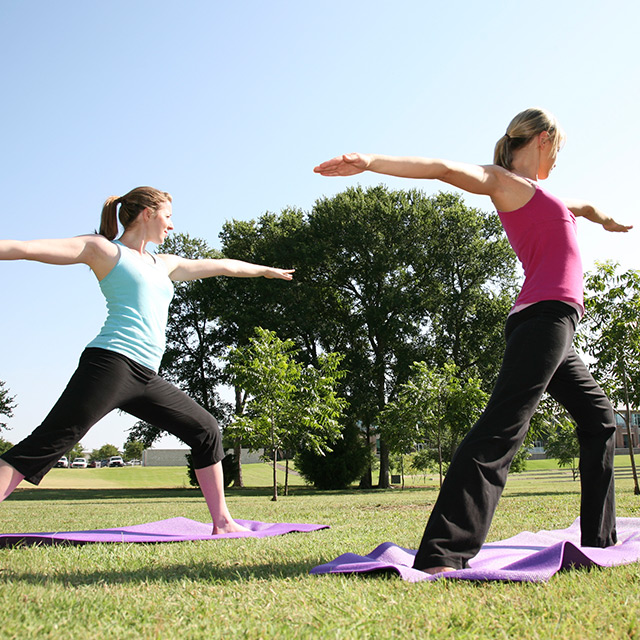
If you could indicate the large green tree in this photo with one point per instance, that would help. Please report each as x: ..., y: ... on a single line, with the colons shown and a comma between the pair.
x: 610, y: 333
x: 385, y: 278
x: 405, y: 277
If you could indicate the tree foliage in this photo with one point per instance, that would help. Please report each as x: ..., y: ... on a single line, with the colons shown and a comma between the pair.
x: 338, y: 468
x: 133, y: 450
x: 291, y: 406
x: 104, y: 453
x: 434, y: 410
x: 77, y: 451
x: 610, y: 333
x: 402, y: 277
x: 383, y: 277
x: 5, y: 445
x: 7, y: 403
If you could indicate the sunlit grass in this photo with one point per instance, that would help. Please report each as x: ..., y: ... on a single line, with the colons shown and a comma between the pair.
x: 261, y: 588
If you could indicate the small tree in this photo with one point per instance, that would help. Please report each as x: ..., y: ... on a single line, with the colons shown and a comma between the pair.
x: 103, y: 453
x: 562, y: 444
x: 610, y: 333
x: 133, y: 450
x: 5, y: 445
x: 77, y: 451
x: 338, y: 468
x: 291, y: 406
x: 434, y: 408
x: 7, y: 404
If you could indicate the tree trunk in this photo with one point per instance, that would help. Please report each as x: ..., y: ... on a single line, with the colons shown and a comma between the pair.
x: 237, y: 446
x: 440, y: 456
x: 636, y: 488
x: 275, y: 460
x: 366, y: 482
x: 286, y: 474
x: 275, y: 476
x: 238, y: 481
x: 383, y: 479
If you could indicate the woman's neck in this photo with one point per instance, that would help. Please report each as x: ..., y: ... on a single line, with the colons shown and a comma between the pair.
x: 134, y: 240
x: 526, y: 161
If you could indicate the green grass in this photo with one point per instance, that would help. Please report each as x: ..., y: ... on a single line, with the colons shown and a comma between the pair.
x: 255, y: 475
x: 262, y: 589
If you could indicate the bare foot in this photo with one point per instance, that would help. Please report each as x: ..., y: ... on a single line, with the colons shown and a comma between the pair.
x: 230, y: 526
x: 433, y: 570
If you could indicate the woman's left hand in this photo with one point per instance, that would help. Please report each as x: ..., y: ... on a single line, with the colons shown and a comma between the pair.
x: 612, y: 225
x: 281, y: 274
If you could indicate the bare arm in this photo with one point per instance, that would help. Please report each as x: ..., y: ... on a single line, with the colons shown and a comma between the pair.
x: 479, y: 179
x: 93, y: 250
x: 588, y: 211
x: 185, y: 269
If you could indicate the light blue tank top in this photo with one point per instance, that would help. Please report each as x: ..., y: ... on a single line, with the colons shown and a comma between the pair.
x: 138, y: 295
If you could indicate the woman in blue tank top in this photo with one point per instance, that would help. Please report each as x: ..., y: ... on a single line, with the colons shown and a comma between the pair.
x: 118, y: 369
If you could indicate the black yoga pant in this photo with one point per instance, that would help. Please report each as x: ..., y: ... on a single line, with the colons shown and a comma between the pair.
x: 103, y: 381
x: 538, y: 358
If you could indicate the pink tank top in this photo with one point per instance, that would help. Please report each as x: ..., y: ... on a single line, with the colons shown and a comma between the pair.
x: 543, y: 235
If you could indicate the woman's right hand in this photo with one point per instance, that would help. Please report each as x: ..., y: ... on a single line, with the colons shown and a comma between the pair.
x: 348, y: 164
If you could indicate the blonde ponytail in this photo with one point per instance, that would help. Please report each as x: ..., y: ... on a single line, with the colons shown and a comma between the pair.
x: 525, y: 126
x: 130, y: 206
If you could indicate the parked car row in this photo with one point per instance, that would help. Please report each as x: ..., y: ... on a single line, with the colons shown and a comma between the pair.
x: 81, y: 463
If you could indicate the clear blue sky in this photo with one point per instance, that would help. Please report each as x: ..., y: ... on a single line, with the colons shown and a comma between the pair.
x: 230, y: 105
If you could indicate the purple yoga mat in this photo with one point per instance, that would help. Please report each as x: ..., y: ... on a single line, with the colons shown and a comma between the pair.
x: 527, y: 557
x: 171, y: 530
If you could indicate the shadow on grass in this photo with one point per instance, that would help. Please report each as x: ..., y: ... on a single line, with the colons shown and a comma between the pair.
x: 92, y: 495
x: 198, y: 572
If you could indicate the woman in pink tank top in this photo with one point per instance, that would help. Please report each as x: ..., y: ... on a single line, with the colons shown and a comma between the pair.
x: 539, y: 355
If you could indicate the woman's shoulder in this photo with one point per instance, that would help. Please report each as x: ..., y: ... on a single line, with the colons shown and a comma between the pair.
x: 513, y: 191
x: 101, y: 254
x: 100, y: 247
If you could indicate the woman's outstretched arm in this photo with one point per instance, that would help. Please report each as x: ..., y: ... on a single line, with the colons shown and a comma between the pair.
x: 479, y: 179
x: 588, y: 211
x: 93, y: 250
x: 185, y: 269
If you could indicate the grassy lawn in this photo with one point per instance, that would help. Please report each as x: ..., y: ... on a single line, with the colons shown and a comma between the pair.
x: 255, y: 475
x: 255, y: 588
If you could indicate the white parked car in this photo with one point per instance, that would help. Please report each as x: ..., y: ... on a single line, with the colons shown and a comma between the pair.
x: 116, y: 461
x: 63, y: 463
x: 79, y: 463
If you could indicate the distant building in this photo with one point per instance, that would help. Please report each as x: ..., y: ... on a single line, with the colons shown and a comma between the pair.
x: 622, y: 435
x: 178, y: 457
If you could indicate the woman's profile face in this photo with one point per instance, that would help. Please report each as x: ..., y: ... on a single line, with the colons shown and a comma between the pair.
x: 160, y: 223
x: 548, y: 156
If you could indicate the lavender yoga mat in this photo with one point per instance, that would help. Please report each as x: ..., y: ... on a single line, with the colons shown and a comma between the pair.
x: 527, y: 557
x: 171, y: 530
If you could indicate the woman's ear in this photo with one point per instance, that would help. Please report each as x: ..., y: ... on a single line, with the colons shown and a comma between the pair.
x: 543, y: 137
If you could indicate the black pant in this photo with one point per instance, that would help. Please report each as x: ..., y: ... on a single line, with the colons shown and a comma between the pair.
x: 538, y: 358
x: 103, y: 381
